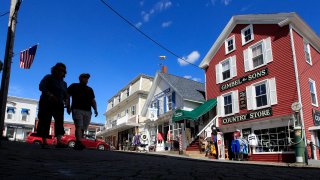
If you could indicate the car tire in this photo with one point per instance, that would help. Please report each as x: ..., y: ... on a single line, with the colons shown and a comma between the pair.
x: 71, y: 144
x: 101, y: 147
x: 36, y: 142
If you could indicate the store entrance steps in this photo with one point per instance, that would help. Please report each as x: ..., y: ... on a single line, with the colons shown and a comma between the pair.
x: 194, y: 146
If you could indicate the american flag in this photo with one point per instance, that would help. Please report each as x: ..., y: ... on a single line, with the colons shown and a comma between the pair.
x: 27, y: 57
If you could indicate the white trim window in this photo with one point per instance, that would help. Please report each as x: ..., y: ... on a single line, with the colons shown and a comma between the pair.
x: 226, y: 69
x: 257, y: 55
x: 313, y: 92
x: 228, y: 104
x: 119, y: 97
x: 10, y: 112
x: 306, y: 48
x: 261, y: 94
x: 128, y: 92
x: 230, y: 44
x: 24, y: 114
x: 133, y: 110
x: 247, y: 34
x: 169, y: 103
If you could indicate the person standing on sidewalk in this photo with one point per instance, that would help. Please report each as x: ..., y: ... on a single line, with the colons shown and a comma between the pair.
x: 53, y: 98
x: 82, y: 100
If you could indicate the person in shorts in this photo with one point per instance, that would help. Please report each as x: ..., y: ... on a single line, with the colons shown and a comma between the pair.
x: 83, y: 99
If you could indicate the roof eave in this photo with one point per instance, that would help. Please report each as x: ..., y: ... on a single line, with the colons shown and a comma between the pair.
x: 281, y: 19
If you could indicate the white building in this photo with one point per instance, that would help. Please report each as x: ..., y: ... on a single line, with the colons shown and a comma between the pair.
x: 169, y: 93
x: 19, y: 118
x: 123, y: 114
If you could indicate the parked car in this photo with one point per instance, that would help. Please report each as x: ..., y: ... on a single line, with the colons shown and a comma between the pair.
x: 33, y: 138
x: 88, y: 141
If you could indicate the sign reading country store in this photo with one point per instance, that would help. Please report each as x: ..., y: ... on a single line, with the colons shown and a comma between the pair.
x: 244, y: 79
x: 249, y: 116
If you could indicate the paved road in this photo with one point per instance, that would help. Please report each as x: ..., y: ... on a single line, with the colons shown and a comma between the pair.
x: 25, y: 161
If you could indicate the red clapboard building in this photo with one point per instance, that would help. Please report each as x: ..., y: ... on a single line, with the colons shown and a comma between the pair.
x: 257, y: 68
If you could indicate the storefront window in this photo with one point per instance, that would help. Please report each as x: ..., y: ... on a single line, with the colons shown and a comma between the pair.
x: 10, y: 132
x: 274, y: 140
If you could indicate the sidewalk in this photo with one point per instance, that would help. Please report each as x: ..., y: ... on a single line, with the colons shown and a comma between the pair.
x: 21, y: 161
x: 311, y: 163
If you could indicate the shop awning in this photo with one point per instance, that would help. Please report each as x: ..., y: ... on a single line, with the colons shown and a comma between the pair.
x: 193, y: 115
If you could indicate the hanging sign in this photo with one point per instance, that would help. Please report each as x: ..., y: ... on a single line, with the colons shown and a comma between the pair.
x: 244, y: 79
x: 316, y: 117
x: 249, y: 116
x: 243, y: 100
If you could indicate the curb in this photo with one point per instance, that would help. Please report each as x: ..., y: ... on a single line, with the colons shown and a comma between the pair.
x: 254, y: 163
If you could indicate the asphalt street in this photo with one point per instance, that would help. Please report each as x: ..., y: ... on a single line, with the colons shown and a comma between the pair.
x: 29, y: 161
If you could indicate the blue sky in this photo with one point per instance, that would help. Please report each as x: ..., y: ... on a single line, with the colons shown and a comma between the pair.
x: 88, y: 37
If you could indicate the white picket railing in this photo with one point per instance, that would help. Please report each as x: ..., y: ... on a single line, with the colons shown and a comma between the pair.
x: 207, y: 126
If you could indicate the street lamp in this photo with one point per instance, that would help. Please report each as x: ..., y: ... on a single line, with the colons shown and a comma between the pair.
x: 299, y: 145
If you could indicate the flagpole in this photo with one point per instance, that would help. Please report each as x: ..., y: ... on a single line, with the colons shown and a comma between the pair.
x: 14, y: 8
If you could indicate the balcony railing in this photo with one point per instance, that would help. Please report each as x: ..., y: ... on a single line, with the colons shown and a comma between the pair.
x: 122, y: 120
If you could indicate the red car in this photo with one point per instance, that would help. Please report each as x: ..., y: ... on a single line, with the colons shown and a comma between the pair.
x: 33, y: 138
x: 88, y: 141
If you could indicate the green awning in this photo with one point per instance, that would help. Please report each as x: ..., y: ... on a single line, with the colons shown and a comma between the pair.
x: 193, y: 115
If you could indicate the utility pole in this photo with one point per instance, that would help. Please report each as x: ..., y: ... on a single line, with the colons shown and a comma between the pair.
x: 14, y: 8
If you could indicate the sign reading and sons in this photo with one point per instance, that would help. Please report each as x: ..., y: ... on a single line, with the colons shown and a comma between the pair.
x: 244, y: 79
x: 249, y: 116
x: 316, y: 117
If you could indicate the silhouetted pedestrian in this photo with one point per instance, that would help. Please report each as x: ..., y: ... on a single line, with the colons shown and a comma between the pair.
x: 82, y: 100
x: 52, y: 100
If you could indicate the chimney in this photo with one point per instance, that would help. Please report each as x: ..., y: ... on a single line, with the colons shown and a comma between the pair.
x: 164, y: 69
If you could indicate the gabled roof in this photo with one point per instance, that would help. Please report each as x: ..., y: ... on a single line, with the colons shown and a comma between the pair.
x: 281, y: 19
x: 188, y: 89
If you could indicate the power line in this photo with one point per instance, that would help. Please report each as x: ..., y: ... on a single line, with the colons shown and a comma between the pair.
x: 4, y: 14
x: 147, y: 36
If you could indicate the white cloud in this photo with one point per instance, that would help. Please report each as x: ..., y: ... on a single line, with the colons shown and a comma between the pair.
x: 226, y: 2
x: 192, y: 78
x: 138, y: 25
x: 157, y: 8
x: 191, y: 58
x: 213, y: 2
x: 196, y: 79
x: 146, y: 17
x: 187, y: 76
x: 166, y: 24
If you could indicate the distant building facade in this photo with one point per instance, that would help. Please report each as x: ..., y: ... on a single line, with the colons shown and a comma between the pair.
x: 123, y: 114
x: 19, y: 118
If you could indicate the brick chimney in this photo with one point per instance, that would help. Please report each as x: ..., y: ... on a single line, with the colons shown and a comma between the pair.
x: 164, y: 69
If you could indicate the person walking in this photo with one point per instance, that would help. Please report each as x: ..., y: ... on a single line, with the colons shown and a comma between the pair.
x: 53, y: 99
x: 83, y: 99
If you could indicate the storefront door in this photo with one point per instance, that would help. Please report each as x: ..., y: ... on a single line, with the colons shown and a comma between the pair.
x: 228, y: 137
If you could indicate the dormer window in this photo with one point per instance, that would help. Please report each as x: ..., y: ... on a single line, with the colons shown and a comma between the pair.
x: 119, y: 97
x: 128, y: 92
x: 247, y: 34
x: 230, y: 44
